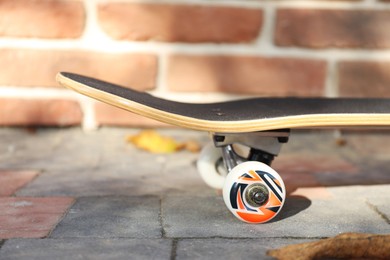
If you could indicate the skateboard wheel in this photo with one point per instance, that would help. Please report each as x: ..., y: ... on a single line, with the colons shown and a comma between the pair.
x: 254, y: 192
x: 211, y: 172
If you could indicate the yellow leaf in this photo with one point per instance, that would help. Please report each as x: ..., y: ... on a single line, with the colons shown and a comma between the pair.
x: 152, y: 141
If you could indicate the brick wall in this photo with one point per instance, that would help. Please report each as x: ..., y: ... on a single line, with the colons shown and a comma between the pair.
x: 196, y: 50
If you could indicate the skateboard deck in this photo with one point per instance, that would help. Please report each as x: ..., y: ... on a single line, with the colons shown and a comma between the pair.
x: 245, y: 115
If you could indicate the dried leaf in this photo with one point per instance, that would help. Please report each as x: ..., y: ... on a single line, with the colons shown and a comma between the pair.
x: 152, y: 141
x: 192, y: 146
x: 344, y: 246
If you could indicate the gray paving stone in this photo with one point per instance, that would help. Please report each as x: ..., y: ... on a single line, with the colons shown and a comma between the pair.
x: 54, y: 149
x: 130, y: 179
x: 86, y: 248
x: 46, y: 148
x: 150, y: 176
x: 119, y: 214
x: 220, y: 248
x: 100, y: 163
x: 180, y: 176
x: 196, y: 217
x: 112, y: 217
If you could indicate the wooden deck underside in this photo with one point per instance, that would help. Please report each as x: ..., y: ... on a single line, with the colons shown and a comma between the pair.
x: 258, y: 114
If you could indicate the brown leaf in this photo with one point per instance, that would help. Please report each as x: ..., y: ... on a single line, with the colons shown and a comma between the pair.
x: 344, y: 246
x: 192, y: 146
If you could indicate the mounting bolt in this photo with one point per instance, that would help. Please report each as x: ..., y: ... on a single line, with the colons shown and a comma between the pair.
x: 257, y: 195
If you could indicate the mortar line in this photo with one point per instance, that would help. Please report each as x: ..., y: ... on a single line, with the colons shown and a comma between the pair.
x: 36, y: 93
x: 174, y: 248
x: 101, y: 44
x: 90, y: 17
x: 86, y: 103
x: 92, y: 29
x: 229, y: 3
x: 265, y: 38
x: 160, y: 218
x: 62, y: 217
x: 89, y: 121
x: 331, y: 81
x: 369, y: 2
x: 244, y: 238
x: 377, y: 211
x: 188, y: 238
x: 162, y: 73
x: 282, y: 3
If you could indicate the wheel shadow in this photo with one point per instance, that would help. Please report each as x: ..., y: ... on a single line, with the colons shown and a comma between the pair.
x: 292, y: 206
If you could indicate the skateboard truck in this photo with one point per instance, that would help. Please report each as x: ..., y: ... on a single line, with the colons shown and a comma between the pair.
x: 264, y: 146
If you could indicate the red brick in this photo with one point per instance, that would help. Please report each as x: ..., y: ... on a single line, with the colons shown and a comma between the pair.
x: 179, y: 23
x: 333, y: 28
x: 41, y: 19
x: 11, y: 181
x: 313, y: 164
x: 247, y: 75
x: 372, y: 145
x: 31, y: 217
x: 18, y: 112
x: 364, y: 79
x: 109, y: 115
x: 299, y: 171
x: 39, y: 67
x: 22, y: 233
x: 295, y: 180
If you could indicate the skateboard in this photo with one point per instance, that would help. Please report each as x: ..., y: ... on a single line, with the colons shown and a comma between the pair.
x: 247, y: 135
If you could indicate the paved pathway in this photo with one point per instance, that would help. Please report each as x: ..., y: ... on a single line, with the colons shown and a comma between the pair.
x: 66, y: 194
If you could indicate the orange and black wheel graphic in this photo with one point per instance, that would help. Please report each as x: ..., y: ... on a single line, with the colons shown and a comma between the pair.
x: 254, y: 192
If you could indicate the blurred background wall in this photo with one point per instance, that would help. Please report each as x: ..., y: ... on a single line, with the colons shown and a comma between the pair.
x: 196, y: 51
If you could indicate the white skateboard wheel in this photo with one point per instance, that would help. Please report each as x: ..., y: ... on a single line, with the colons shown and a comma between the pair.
x: 254, y: 192
x: 207, y: 165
